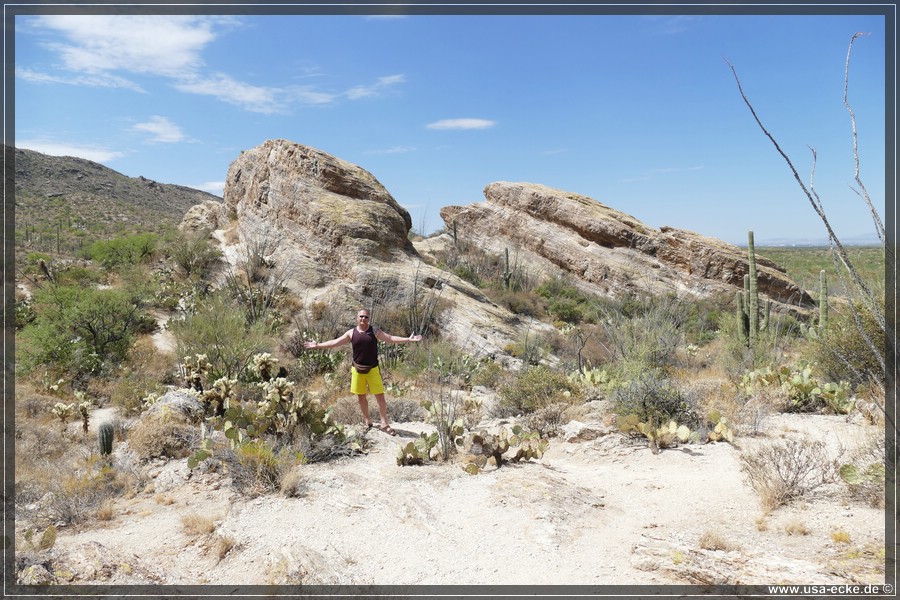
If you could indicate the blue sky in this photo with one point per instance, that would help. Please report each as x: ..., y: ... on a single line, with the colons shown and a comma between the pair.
x: 640, y: 112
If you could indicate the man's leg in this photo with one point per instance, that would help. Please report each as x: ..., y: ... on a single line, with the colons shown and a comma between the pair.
x: 382, y: 409
x: 364, y: 407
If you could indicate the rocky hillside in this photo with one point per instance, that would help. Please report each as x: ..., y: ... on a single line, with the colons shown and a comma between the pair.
x: 74, y: 191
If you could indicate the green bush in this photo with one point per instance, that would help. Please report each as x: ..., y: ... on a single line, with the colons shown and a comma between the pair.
x: 565, y: 302
x: 218, y: 329
x: 538, y: 387
x: 645, y: 341
x: 126, y: 250
x: 841, y: 352
x: 79, y: 330
x: 193, y: 254
x: 655, y: 400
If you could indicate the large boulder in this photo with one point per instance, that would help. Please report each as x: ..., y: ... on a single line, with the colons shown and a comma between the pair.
x: 339, y: 237
x: 330, y: 210
x: 607, y: 251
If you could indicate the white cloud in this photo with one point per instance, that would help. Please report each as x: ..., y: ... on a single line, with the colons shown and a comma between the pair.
x: 95, y: 50
x: 392, y: 150
x: 90, y: 80
x: 162, y: 130
x: 379, y: 87
x: 461, y: 124
x: 100, y: 155
x: 162, y: 45
x: 250, y: 97
x: 213, y: 187
x: 306, y: 95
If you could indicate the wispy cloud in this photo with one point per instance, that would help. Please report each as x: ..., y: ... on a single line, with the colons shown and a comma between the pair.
x: 249, y: 97
x: 674, y: 170
x: 92, y: 153
x: 392, y: 150
x: 161, y: 129
x: 101, y: 50
x: 103, y: 80
x: 660, y: 171
x: 213, y: 187
x: 376, y: 89
x: 461, y: 124
x: 671, y: 25
x: 161, y: 45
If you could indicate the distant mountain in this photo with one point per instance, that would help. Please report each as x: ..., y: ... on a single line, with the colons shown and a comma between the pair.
x: 74, y: 192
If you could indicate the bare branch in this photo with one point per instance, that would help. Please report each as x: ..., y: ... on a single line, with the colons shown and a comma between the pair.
x: 862, y: 289
x: 862, y: 192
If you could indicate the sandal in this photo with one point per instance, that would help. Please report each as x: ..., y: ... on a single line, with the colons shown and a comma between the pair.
x: 387, y: 429
x: 369, y: 426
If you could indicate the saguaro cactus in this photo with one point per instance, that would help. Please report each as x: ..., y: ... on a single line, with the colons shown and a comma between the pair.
x: 105, y: 437
x: 748, y: 301
x: 753, y: 306
x: 507, y: 274
x: 823, y: 301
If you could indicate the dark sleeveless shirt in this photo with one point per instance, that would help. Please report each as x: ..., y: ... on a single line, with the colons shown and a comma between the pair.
x: 365, y: 347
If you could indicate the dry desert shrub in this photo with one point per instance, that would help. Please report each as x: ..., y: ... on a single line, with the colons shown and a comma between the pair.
x: 292, y: 483
x: 159, y: 437
x: 548, y: 420
x: 222, y: 546
x: 840, y: 536
x: 195, y: 524
x: 796, y: 527
x: 77, y: 494
x: 781, y: 472
x: 868, y: 462
x: 711, y: 540
x: 107, y: 511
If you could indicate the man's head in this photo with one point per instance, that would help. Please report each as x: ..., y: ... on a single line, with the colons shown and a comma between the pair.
x: 362, y: 316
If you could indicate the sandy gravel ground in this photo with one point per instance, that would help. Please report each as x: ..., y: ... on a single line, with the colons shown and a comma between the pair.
x: 600, y: 511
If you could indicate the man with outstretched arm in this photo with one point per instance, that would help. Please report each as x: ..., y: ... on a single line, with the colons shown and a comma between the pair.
x: 364, y: 374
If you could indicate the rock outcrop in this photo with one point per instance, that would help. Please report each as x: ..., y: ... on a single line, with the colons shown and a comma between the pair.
x: 342, y: 239
x: 339, y: 237
x: 608, y: 251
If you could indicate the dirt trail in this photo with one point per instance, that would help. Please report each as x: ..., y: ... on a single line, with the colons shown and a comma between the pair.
x: 604, y: 511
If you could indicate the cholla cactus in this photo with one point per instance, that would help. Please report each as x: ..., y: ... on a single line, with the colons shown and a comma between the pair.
x: 151, y: 399
x: 84, y: 408
x: 220, y: 396
x: 265, y: 366
x: 63, y: 411
x: 194, y: 370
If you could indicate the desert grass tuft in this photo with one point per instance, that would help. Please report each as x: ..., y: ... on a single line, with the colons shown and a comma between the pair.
x: 711, y: 540
x: 196, y: 524
x: 222, y: 546
x: 796, y: 527
x: 840, y: 536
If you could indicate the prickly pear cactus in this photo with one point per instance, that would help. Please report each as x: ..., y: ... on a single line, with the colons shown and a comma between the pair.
x: 419, y: 451
x: 721, y: 432
x: 486, y: 448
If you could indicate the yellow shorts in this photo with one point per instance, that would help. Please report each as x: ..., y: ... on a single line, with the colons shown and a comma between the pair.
x: 359, y: 381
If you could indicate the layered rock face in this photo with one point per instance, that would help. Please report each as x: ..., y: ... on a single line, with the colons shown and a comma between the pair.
x: 343, y: 240
x: 329, y: 210
x: 610, y: 252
